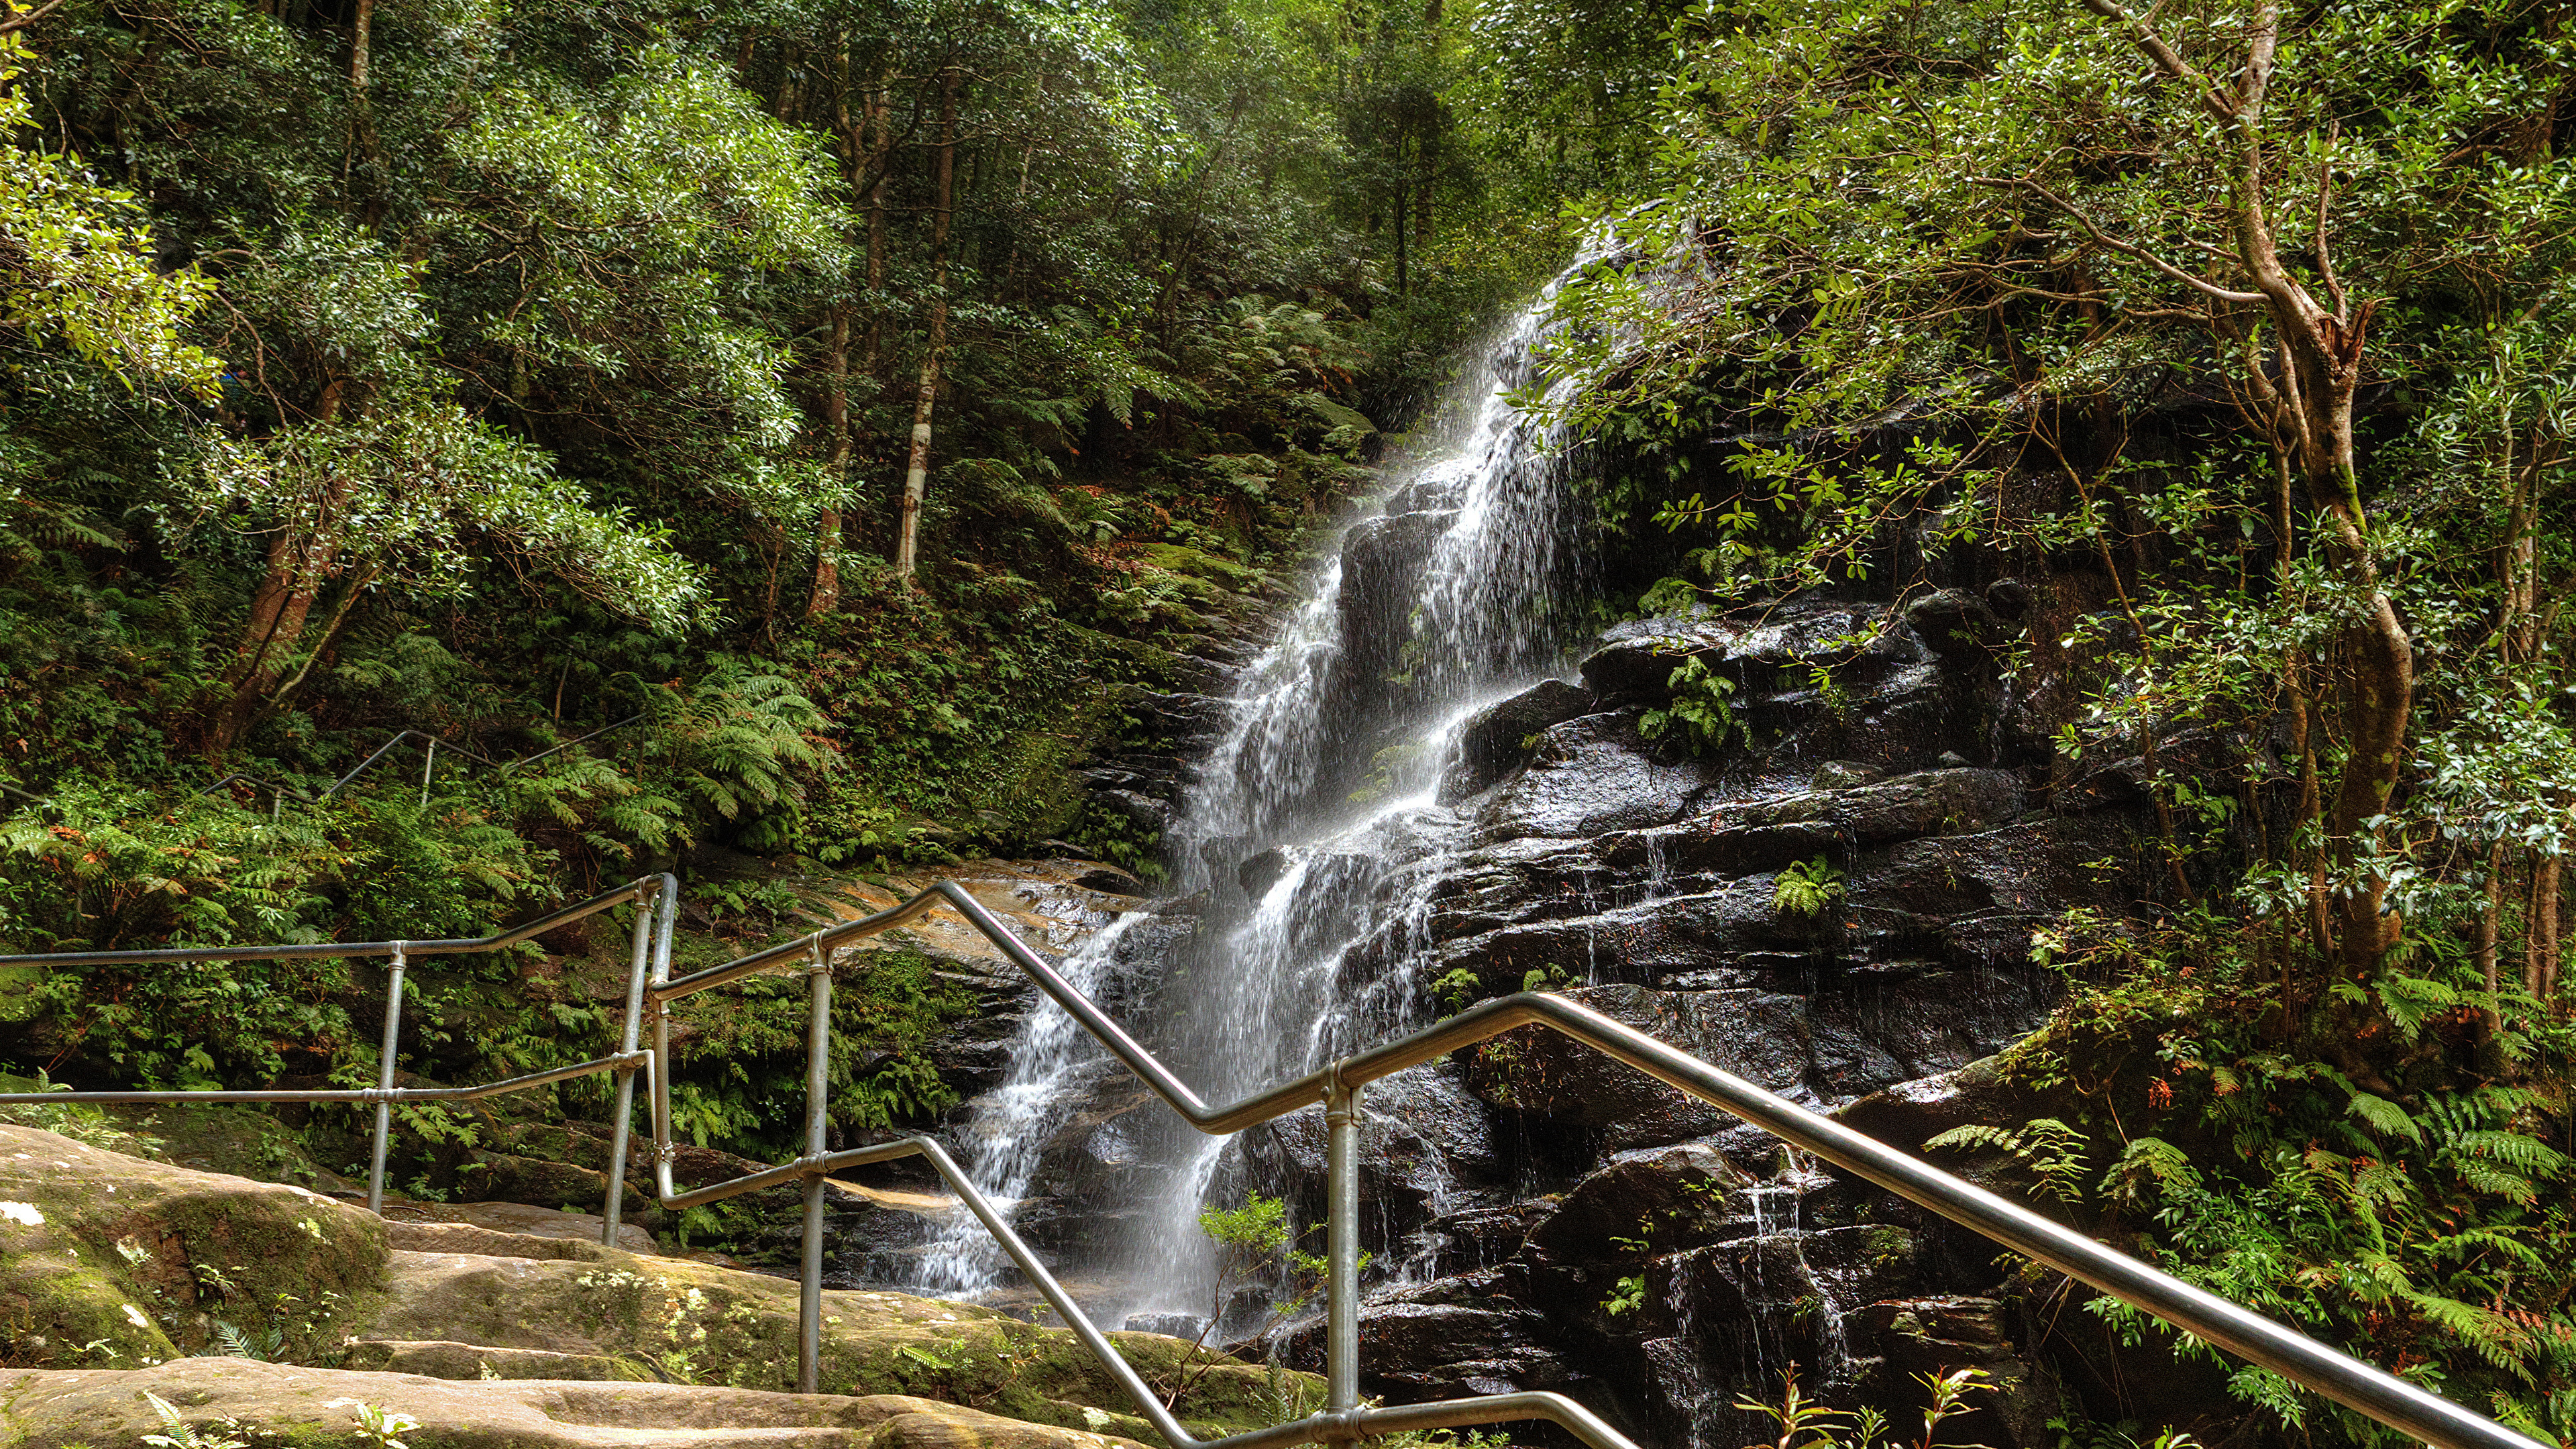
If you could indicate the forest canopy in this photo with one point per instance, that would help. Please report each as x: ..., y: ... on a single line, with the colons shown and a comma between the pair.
x: 457, y: 457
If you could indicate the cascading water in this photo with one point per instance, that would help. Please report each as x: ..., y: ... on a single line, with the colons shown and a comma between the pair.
x: 1342, y: 732
x: 1329, y: 778
x: 1011, y: 1124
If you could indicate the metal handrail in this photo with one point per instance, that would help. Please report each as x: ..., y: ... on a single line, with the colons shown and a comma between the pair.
x: 2349, y: 1381
x: 431, y: 744
x: 643, y: 891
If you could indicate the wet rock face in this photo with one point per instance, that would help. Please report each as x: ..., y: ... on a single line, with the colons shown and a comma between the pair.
x: 1838, y: 908
x: 1841, y: 913
x: 1499, y: 739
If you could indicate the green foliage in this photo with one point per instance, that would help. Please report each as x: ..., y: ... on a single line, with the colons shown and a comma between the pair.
x: 178, y: 1433
x: 1542, y: 978
x: 79, y: 1121
x: 379, y: 1426
x: 740, y: 1081
x: 2397, y: 1203
x: 1810, y: 1424
x: 1458, y: 988
x: 80, y: 255
x: 1700, y: 712
x: 2050, y: 1150
x: 1807, y: 888
x: 1626, y: 1296
x: 1253, y: 1241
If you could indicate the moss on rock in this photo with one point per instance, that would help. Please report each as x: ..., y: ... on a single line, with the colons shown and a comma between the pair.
x: 113, y: 1260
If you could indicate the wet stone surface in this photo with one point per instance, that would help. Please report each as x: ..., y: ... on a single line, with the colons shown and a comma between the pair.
x: 1839, y: 910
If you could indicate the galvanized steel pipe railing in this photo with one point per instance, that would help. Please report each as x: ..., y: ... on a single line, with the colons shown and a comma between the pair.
x: 2349, y: 1381
x: 651, y: 926
x: 2339, y: 1376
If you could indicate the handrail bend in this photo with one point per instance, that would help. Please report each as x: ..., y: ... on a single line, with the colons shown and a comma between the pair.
x: 651, y: 988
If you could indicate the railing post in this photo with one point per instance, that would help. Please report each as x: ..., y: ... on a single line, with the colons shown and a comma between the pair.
x: 666, y: 912
x: 428, y: 762
x: 818, y: 1101
x: 1342, y: 1245
x: 622, y: 1122
x: 385, y: 1082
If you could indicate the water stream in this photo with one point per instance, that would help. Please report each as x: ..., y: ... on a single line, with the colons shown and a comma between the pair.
x: 1457, y: 592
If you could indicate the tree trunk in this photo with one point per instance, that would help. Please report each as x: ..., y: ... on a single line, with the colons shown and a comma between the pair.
x: 916, y: 473
x: 1403, y: 214
x: 826, y: 596
x: 2540, y: 951
x: 299, y: 564
x: 2310, y: 396
x: 2490, y: 921
x: 358, y: 38
x: 827, y: 522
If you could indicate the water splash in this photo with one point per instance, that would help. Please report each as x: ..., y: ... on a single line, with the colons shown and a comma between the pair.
x: 1459, y: 591
x: 1012, y: 1124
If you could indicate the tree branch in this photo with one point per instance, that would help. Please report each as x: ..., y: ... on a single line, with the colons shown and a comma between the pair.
x: 2130, y: 250
x: 16, y: 23
x: 2325, y: 256
x: 2166, y: 58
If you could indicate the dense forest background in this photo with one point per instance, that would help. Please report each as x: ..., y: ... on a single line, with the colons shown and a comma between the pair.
x: 793, y: 431
x: 552, y: 383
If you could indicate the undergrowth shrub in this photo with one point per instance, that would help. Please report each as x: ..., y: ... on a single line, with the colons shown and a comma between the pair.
x: 2402, y: 1189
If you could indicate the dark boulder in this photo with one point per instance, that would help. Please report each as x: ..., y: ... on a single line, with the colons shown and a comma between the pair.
x: 1975, y: 899
x: 1591, y: 775
x: 1501, y: 736
x: 1260, y: 873
x: 1648, y: 942
x: 1413, y: 1351
x: 1542, y: 1073
x: 1110, y: 880
x: 1670, y: 1198
x: 1893, y: 1343
x: 1382, y: 567
x: 1516, y: 881
x: 1955, y: 624
x: 1636, y: 660
x: 1928, y: 802
x: 1909, y: 1114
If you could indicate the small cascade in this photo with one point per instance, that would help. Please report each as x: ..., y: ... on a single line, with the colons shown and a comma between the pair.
x: 1013, y: 1123
x: 1314, y: 837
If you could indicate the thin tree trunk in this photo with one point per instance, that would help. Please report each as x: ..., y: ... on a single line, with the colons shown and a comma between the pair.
x: 2490, y: 921
x: 358, y: 38
x: 836, y: 395
x: 299, y: 563
x: 1403, y: 213
x: 827, y: 521
x: 916, y: 474
x: 2540, y: 962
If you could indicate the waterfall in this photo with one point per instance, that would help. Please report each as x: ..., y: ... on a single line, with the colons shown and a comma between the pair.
x: 1458, y: 591
x: 1011, y: 1124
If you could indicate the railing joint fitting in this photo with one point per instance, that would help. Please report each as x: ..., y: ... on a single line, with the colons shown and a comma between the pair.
x: 1341, y: 1098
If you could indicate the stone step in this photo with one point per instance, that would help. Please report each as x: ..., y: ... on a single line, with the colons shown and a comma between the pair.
x: 442, y: 1359
x: 122, y: 1268
x: 57, y: 1408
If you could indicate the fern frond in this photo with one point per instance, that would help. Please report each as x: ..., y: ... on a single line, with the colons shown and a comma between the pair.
x: 2385, y: 1116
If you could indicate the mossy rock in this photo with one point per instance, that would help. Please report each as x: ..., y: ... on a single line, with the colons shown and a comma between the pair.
x: 110, y: 1263
x: 317, y: 1407
x: 110, y: 1260
x: 697, y: 1323
x: 1199, y: 564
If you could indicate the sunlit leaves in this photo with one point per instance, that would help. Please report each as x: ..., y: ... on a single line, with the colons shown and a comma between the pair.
x: 422, y: 494
x: 76, y: 258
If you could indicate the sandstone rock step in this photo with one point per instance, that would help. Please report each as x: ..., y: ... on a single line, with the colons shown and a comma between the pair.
x: 56, y: 1408
x: 124, y: 1272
